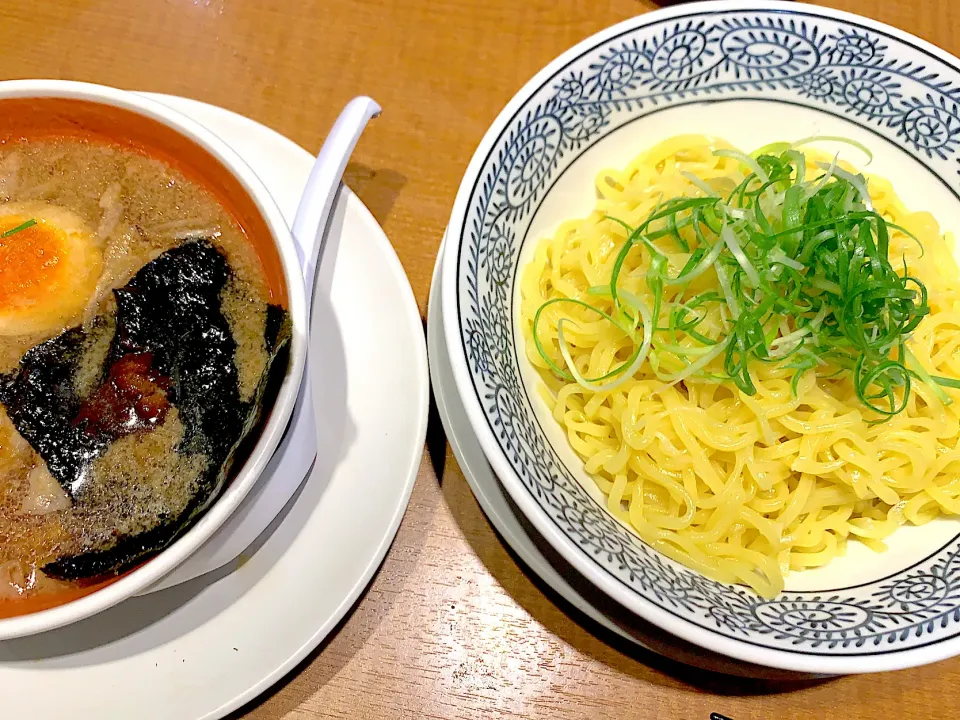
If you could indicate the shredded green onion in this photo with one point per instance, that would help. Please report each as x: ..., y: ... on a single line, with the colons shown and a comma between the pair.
x: 803, y: 280
x: 19, y: 228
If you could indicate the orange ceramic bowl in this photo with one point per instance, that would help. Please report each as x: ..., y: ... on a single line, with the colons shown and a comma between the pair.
x: 49, y: 108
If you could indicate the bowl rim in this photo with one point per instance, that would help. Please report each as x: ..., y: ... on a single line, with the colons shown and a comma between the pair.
x: 275, y: 425
x: 457, y: 228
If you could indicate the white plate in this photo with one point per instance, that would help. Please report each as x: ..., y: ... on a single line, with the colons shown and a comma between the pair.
x: 524, y: 539
x: 206, y: 647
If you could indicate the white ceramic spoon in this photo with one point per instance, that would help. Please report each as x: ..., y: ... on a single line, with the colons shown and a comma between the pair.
x: 294, y: 456
x: 313, y: 213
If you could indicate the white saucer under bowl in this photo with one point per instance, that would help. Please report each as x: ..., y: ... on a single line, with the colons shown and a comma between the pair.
x: 527, y: 543
x: 205, y: 647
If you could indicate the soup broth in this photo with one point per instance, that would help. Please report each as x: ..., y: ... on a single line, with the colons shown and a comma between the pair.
x: 98, y: 213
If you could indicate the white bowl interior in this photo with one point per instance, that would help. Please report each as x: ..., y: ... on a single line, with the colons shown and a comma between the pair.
x: 573, y: 195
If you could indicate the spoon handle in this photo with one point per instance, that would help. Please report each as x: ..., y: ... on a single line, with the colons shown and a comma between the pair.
x: 313, y: 212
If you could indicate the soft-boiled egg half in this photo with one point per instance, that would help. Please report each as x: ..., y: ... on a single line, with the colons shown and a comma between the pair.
x: 49, y: 266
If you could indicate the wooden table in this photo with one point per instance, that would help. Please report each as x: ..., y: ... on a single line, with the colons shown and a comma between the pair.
x: 451, y: 627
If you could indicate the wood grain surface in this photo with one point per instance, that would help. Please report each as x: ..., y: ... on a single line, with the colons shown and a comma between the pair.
x: 451, y: 627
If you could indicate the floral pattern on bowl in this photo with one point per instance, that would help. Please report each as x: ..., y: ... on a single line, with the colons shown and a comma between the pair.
x: 899, y: 87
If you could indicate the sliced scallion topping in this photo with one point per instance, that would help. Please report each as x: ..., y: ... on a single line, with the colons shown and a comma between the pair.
x: 802, y: 278
x: 19, y: 228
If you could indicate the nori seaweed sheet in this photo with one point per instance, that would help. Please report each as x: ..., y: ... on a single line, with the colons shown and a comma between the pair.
x: 172, y: 310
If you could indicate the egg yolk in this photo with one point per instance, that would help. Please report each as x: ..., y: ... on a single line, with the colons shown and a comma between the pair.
x: 49, y: 267
x: 29, y: 260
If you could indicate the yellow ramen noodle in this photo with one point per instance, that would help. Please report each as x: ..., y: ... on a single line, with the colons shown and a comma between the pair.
x: 740, y: 488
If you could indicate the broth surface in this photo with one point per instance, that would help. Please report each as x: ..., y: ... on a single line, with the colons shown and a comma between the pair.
x: 127, y: 208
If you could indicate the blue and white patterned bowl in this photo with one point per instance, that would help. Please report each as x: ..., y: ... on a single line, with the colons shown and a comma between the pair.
x: 752, y: 74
